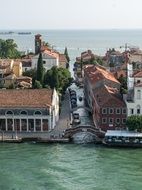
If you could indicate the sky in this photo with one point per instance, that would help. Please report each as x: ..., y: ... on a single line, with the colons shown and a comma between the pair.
x: 70, y: 14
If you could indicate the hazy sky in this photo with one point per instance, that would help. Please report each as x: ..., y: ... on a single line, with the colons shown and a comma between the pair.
x: 70, y: 14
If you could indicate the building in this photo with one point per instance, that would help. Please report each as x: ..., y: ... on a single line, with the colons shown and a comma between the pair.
x: 114, y: 59
x: 109, y: 110
x: 26, y: 64
x: 133, y: 98
x: 63, y: 61
x: 17, y: 68
x: 28, y: 110
x: 102, y: 93
x: 9, y: 81
x: 49, y: 58
x: 38, y: 43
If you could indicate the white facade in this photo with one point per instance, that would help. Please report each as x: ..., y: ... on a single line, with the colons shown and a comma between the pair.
x: 55, y: 108
x: 134, y: 107
x: 137, y: 57
x: 49, y: 61
x: 134, y: 96
x: 130, y: 79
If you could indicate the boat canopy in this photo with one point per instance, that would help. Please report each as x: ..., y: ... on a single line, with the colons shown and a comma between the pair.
x: 122, y: 133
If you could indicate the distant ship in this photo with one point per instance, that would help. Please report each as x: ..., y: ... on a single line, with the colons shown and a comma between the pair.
x: 6, y: 33
x: 24, y: 33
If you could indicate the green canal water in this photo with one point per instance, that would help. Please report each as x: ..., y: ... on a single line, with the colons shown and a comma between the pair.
x: 69, y: 167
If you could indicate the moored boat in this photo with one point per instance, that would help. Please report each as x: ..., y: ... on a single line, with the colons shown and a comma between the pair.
x: 24, y: 33
x: 123, y: 138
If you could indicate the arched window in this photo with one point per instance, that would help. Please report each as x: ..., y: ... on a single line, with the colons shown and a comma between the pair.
x: 138, y: 94
x: 138, y: 109
x: 24, y: 112
x: 38, y: 113
x: 9, y: 113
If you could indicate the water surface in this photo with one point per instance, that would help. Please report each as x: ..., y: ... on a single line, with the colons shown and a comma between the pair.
x: 69, y: 167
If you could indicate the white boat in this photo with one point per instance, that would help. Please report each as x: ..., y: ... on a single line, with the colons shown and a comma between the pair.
x: 123, y: 138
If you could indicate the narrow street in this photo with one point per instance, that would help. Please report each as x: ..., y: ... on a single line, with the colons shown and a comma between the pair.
x: 64, y: 119
x: 65, y: 116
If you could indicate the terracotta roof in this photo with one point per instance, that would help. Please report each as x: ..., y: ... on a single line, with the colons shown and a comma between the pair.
x: 62, y: 58
x: 10, y: 77
x: 24, y: 77
x: 97, y: 73
x: 138, y: 74
x: 5, y: 62
x: 4, y: 66
x: 24, y: 84
x: 108, y: 97
x: 52, y: 54
x: 30, y: 98
x: 138, y: 84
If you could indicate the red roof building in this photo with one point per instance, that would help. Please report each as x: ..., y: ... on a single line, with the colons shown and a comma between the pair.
x: 102, y: 92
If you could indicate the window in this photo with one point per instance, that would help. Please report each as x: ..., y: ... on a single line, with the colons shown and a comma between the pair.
x: 38, y: 113
x: 104, y: 111
x: 118, y: 120
x: 110, y: 120
x: 123, y: 120
x: 104, y: 120
x: 131, y: 111
x: 9, y: 112
x: 138, y: 94
x: 44, y: 62
x: 110, y: 110
x: 124, y: 110
x: 138, y: 109
x: 118, y: 111
x: 23, y: 113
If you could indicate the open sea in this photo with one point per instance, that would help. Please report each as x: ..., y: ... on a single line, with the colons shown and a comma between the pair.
x: 70, y: 166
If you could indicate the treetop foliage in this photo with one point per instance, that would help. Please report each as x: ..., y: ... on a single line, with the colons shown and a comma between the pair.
x: 8, y: 49
x: 134, y: 122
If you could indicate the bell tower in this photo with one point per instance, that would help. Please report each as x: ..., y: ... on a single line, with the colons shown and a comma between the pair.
x: 38, y: 43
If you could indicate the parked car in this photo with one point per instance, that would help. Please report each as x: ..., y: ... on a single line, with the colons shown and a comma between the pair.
x: 76, y: 118
x: 73, y: 104
x: 72, y: 93
x: 73, y: 98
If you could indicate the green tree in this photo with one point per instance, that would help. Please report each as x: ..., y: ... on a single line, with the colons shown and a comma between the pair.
x: 99, y: 60
x: 30, y: 73
x: 51, y: 78
x: 55, y: 78
x: 8, y: 49
x: 58, y: 78
x: 66, y: 54
x: 123, y: 81
x: 37, y: 85
x: 134, y: 122
x: 40, y: 69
